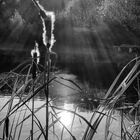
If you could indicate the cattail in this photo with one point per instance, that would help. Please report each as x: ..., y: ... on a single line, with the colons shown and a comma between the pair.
x: 48, y: 20
x: 48, y: 28
x: 35, y: 55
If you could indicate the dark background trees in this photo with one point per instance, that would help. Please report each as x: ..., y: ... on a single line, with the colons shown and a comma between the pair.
x: 19, y: 17
x: 98, y: 24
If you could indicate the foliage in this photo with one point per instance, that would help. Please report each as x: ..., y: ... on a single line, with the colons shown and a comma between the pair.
x: 84, y: 13
x: 20, y: 20
x: 125, y: 12
x: 92, y: 13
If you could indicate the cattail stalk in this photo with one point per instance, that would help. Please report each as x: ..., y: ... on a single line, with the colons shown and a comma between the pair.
x: 46, y: 88
x: 48, y: 19
x: 34, y: 69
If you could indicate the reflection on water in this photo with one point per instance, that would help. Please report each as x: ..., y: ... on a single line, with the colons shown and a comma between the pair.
x: 65, y: 95
x: 77, y: 129
x: 65, y: 116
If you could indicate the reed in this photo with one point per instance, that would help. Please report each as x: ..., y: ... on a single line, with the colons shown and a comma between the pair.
x: 20, y: 113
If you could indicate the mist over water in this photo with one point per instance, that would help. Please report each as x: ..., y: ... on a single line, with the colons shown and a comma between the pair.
x: 79, y: 52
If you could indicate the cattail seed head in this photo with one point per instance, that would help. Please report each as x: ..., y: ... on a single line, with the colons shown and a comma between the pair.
x: 48, y: 20
x: 35, y: 55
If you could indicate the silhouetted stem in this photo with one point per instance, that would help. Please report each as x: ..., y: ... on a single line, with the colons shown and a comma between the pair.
x: 46, y: 88
x: 34, y: 63
x: 7, y: 127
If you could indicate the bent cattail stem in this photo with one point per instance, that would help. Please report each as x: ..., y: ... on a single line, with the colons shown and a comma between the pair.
x: 48, y: 28
x: 48, y: 20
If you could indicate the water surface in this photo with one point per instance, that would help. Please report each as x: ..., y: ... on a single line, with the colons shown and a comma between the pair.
x: 63, y: 95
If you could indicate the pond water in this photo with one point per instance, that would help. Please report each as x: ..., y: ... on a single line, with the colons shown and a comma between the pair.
x: 64, y: 95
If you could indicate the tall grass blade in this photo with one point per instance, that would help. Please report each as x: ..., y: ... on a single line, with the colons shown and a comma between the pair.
x: 62, y: 133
